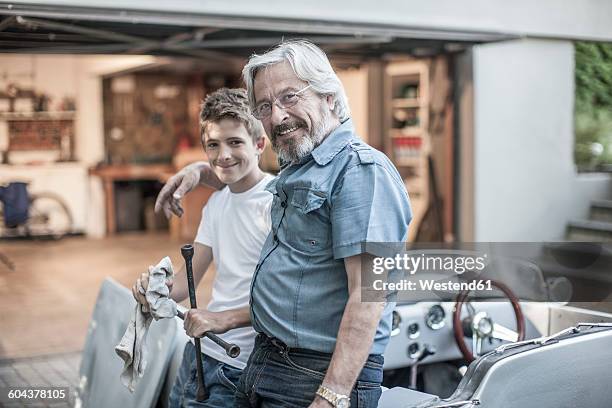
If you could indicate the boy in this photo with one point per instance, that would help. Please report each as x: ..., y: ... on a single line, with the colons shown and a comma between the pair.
x: 235, y: 223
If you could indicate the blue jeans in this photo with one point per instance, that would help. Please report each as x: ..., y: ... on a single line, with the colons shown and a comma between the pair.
x: 220, y: 381
x: 278, y: 376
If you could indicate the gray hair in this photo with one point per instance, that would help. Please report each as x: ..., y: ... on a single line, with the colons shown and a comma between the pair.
x: 309, y: 63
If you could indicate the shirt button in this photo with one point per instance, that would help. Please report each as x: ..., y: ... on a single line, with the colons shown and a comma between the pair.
x: 275, y: 237
x: 283, y: 204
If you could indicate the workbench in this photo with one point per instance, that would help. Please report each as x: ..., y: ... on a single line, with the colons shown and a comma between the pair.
x: 183, y: 228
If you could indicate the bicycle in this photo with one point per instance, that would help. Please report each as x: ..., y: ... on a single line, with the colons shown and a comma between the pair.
x: 36, y: 215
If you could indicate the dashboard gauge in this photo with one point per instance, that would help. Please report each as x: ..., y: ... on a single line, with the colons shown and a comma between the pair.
x: 413, y: 330
x: 395, y: 324
x: 413, y: 350
x: 434, y: 319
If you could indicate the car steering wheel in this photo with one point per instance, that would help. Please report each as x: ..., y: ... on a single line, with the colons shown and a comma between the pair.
x: 481, y: 324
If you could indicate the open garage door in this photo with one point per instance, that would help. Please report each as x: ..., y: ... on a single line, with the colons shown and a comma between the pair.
x: 77, y: 27
x: 215, y: 42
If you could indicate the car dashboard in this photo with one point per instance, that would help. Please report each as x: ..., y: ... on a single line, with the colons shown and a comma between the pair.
x: 430, y: 325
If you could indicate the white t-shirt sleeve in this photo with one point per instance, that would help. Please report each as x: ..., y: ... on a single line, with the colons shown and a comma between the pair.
x: 268, y: 214
x: 206, y: 229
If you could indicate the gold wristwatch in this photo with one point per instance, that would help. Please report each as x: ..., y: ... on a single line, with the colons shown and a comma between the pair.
x: 337, y: 400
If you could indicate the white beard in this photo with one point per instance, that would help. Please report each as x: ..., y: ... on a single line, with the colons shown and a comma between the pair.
x: 294, y: 150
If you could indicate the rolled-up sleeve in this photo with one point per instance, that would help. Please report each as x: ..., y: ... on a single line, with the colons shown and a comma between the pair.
x: 369, y: 204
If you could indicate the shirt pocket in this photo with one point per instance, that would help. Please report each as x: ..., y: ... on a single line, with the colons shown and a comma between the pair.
x: 308, y: 221
x: 307, y: 199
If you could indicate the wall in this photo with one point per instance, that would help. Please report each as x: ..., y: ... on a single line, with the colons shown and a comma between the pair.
x: 525, y: 184
x: 55, y: 178
x: 355, y: 83
x: 54, y: 75
x: 73, y: 76
x: 78, y: 77
x: 464, y: 163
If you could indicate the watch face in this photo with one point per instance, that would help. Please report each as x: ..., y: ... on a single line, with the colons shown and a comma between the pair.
x: 343, y: 403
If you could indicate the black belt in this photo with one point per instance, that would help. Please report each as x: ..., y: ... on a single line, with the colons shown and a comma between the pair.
x: 282, y: 347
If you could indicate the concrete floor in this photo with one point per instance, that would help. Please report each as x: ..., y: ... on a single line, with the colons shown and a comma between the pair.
x: 47, y: 301
x: 57, y: 370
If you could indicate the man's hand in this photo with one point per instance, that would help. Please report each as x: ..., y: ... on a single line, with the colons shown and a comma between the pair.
x: 140, y: 287
x: 169, y: 198
x: 199, y: 321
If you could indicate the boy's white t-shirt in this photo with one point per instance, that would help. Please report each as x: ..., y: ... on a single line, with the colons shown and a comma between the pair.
x: 235, y: 226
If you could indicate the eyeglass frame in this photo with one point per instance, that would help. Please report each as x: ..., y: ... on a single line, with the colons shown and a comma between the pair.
x: 278, y: 104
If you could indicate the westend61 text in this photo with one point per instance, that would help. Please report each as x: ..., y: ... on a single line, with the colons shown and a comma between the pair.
x: 430, y: 284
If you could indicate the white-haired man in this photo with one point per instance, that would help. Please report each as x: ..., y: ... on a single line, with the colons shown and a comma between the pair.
x: 319, y: 345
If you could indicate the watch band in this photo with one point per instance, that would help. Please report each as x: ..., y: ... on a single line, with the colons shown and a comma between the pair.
x: 333, y: 398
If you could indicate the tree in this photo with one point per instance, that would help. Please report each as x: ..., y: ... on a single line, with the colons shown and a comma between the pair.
x: 593, y: 107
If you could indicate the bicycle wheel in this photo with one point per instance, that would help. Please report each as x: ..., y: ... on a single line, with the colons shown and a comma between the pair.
x: 49, y: 216
x: 3, y: 227
x: 5, y: 230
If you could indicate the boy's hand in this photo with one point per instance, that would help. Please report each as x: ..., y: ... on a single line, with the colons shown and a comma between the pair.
x: 140, y: 287
x: 169, y: 198
x: 199, y: 321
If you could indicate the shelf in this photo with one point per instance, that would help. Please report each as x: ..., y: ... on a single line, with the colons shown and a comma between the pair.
x: 408, y: 162
x: 406, y: 124
x: 412, y: 131
x: 56, y: 115
x: 406, y: 103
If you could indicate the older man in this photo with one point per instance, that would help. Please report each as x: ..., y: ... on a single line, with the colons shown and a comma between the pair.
x: 318, y: 344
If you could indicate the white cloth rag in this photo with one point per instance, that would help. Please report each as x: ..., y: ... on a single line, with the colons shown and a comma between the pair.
x: 132, y: 347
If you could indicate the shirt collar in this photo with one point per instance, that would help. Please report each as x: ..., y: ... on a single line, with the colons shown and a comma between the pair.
x: 334, y: 143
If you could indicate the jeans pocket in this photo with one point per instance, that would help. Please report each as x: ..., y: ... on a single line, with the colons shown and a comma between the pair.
x: 375, y: 361
x: 367, y: 385
x: 229, y: 376
x: 368, y: 394
x: 299, y: 364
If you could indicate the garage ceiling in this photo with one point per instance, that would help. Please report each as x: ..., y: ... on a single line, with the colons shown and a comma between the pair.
x: 74, y: 30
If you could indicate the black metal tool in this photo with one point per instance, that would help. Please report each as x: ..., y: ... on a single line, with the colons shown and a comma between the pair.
x: 231, y: 349
x: 187, y: 252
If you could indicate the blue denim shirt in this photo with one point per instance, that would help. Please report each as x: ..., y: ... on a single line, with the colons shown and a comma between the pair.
x: 343, y: 194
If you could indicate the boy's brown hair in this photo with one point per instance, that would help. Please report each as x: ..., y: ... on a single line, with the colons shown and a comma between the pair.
x: 233, y: 104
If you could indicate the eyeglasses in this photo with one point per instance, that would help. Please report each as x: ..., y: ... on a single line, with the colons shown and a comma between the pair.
x: 284, y: 101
